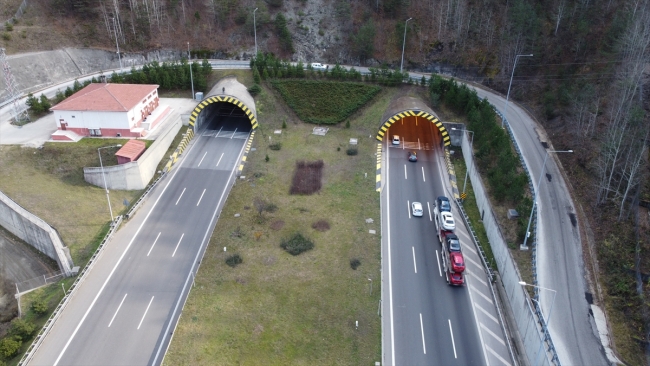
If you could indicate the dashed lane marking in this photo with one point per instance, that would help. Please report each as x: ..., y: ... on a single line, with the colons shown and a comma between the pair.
x: 482, y: 295
x: 493, y: 334
x: 486, y: 313
x: 497, y: 356
x: 478, y: 278
x: 467, y: 258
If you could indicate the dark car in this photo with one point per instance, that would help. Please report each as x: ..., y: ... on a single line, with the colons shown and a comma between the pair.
x: 413, y: 156
x: 443, y: 204
x: 453, y: 244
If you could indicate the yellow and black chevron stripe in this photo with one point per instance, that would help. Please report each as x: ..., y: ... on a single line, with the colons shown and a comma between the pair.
x: 452, y: 174
x: 443, y: 131
x: 246, y: 150
x: 378, y: 172
x: 206, y: 102
x: 189, y: 134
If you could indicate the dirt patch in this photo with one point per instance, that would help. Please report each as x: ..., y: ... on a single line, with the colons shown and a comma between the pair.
x: 277, y: 225
x: 321, y: 225
x: 307, y: 177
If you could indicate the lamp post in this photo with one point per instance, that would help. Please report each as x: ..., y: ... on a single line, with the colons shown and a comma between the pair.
x: 117, y: 44
x: 189, y: 58
x: 541, y: 174
x: 104, y: 176
x: 471, y: 144
x: 550, y: 312
x: 505, y: 110
x: 404, y: 43
x: 255, y: 31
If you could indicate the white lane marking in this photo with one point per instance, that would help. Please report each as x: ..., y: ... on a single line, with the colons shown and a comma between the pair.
x: 154, y: 243
x: 390, y: 273
x: 217, y: 135
x: 177, y: 244
x: 469, y: 247
x: 200, y: 198
x: 233, y: 134
x: 145, y: 312
x: 206, y: 153
x: 415, y: 267
x: 220, y: 159
x: 408, y: 207
x: 486, y: 313
x: 424, y: 345
x: 467, y: 258
x: 110, y: 275
x: 179, y: 197
x: 405, y: 176
x: 116, y: 311
x: 480, y: 334
x: 493, y: 335
x: 438, y: 258
x: 505, y: 362
x: 190, y: 274
x: 429, y: 207
x: 423, y: 177
x: 478, y: 278
x: 461, y: 233
x: 451, y: 331
x: 482, y: 295
x: 419, y: 146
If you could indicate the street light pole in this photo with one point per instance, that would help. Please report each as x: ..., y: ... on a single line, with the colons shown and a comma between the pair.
x: 541, y: 174
x: 117, y: 44
x: 471, y: 144
x: 255, y: 31
x: 404, y: 43
x: 505, y: 110
x: 189, y: 58
x: 104, y: 176
x: 550, y: 312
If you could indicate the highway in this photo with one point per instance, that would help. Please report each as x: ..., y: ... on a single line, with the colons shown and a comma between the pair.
x: 426, y: 321
x: 127, y: 308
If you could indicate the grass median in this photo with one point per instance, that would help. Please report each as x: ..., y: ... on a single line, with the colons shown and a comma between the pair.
x: 279, y: 309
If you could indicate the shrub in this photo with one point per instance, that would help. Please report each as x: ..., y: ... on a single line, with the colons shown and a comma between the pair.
x: 297, y: 244
x: 267, y: 158
x: 352, y: 151
x: 355, y: 263
x: 9, y: 27
x: 39, y: 307
x: 9, y: 347
x: 234, y: 260
x: 284, y: 124
x: 255, y: 89
x: 271, y: 207
x: 275, y: 146
x: 6, y: 36
x: 347, y: 124
x: 22, y: 329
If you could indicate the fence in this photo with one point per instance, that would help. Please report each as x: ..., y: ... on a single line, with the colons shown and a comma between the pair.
x: 32, y: 284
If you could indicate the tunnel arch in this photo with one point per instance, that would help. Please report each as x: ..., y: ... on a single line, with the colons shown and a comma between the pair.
x: 406, y: 106
x: 228, y: 99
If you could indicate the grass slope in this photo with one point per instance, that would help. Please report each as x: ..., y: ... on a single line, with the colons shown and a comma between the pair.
x: 324, y: 102
x: 274, y: 308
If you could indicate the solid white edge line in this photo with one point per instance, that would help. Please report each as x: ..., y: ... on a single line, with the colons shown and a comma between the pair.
x: 452, y: 338
x: 177, y: 244
x: 206, y: 153
x: 408, y: 207
x: 390, y: 275
x: 438, y: 258
x: 116, y: 311
x: 154, y: 243
x: 179, y: 197
x: 415, y: 267
x: 110, y: 275
x: 200, y: 198
x: 478, y: 328
x: 424, y: 345
x: 423, y: 178
x: 220, y: 159
x: 405, y: 175
x: 145, y: 312
x: 189, y: 275
x: 429, y: 207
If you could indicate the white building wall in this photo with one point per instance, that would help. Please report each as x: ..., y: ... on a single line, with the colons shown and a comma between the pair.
x: 92, y: 119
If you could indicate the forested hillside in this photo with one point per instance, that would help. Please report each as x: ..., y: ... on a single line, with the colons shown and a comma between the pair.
x: 586, y: 83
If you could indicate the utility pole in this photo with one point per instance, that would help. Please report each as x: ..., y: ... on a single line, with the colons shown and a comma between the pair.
x: 404, y: 44
x: 255, y: 31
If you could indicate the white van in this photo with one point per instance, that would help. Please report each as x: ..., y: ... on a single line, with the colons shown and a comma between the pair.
x: 318, y: 66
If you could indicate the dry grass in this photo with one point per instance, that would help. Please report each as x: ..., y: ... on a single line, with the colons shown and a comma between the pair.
x: 276, y: 309
x: 307, y: 177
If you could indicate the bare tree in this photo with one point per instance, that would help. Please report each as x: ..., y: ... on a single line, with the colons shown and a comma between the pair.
x: 560, y: 11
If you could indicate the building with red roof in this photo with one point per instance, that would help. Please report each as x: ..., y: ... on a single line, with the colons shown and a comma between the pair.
x: 131, y: 151
x: 113, y: 110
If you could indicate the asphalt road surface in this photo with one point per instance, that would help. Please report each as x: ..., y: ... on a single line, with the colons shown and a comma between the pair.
x: 125, y: 310
x: 426, y: 321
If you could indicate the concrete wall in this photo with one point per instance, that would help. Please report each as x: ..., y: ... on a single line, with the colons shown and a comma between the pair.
x: 35, y: 232
x: 455, y: 136
x: 525, y: 318
x: 137, y: 174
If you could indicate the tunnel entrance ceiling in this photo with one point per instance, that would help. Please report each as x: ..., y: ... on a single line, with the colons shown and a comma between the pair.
x: 407, y: 108
x: 197, y: 119
x: 227, y: 90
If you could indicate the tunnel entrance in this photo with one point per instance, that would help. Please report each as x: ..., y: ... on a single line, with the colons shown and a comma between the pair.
x: 222, y: 112
x: 416, y: 130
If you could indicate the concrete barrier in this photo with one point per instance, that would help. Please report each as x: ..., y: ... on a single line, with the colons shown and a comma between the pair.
x: 35, y: 232
x: 136, y: 174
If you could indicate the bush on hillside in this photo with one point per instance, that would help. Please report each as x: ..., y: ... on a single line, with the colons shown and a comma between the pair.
x: 297, y: 244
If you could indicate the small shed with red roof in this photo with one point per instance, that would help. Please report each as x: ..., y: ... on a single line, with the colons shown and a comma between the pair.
x: 131, y: 151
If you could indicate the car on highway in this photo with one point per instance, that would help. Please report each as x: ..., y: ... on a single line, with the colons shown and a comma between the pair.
x: 443, y: 204
x: 452, y: 242
x: 457, y: 262
x: 416, y: 207
x: 395, y: 139
x: 447, y: 221
x: 318, y: 66
x: 413, y: 156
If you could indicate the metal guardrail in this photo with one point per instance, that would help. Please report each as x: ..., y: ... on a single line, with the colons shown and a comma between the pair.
x: 38, y: 340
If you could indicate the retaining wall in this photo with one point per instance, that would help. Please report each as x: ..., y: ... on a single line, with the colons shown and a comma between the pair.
x: 35, y: 232
x: 136, y: 174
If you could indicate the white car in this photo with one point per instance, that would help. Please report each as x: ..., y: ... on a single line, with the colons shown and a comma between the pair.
x: 448, y: 222
x: 318, y: 66
x: 396, y: 140
x: 416, y: 207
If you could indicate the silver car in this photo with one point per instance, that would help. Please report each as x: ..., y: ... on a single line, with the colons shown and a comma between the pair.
x: 416, y: 207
